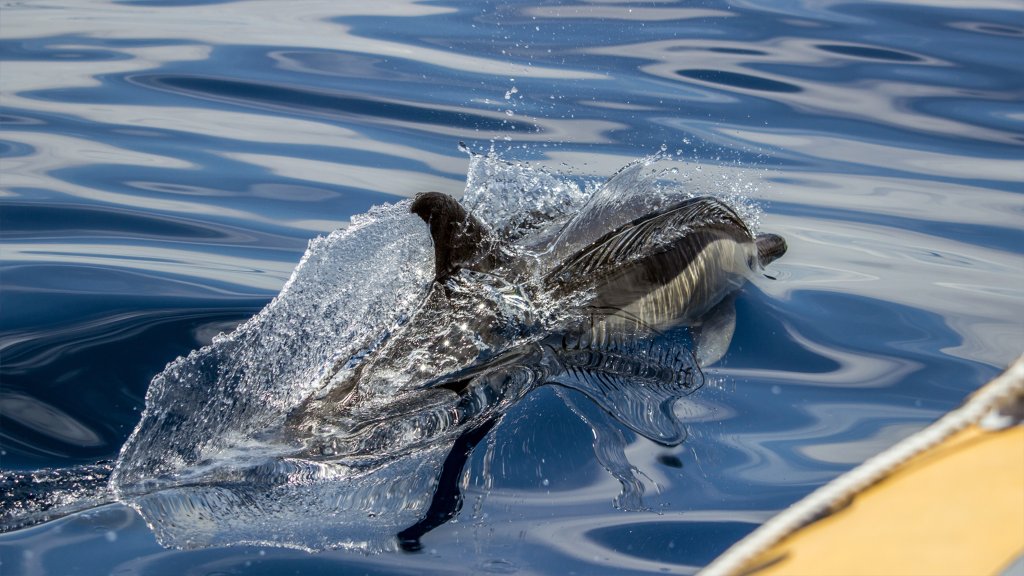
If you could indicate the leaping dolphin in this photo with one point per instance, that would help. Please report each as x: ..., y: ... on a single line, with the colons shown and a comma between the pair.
x: 664, y: 269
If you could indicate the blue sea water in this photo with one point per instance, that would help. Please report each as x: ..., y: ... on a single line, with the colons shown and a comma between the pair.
x: 163, y: 166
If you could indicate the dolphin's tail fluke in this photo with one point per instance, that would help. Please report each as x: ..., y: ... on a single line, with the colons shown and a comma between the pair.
x: 770, y: 247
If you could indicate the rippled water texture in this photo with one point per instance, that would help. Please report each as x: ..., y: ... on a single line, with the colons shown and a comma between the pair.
x: 164, y: 166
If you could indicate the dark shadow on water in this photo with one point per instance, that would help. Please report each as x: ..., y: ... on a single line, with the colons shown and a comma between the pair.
x: 988, y: 236
x: 739, y: 51
x: 96, y: 371
x: 869, y: 52
x: 27, y: 219
x: 249, y: 93
x: 671, y: 542
x: 737, y: 80
x: 41, y: 51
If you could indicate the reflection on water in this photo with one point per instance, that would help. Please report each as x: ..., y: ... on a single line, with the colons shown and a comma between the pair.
x: 164, y: 166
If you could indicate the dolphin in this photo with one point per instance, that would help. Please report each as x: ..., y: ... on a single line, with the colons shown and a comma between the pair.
x: 665, y: 269
x: 662, y: 269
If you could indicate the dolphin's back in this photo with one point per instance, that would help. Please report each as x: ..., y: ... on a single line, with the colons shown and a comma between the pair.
x: 665, y: 268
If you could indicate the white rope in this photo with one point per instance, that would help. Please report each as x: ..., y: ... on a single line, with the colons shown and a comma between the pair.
x: 1006, y: 386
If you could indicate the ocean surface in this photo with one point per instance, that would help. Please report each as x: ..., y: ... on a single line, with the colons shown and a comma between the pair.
x: 164, y: 167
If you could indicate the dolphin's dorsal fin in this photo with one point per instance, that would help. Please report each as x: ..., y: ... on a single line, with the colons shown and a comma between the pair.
x: 460, y: 239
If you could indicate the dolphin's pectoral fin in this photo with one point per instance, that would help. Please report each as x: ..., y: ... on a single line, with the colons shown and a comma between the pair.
x: 713, y: 335
x: 638, y: 383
